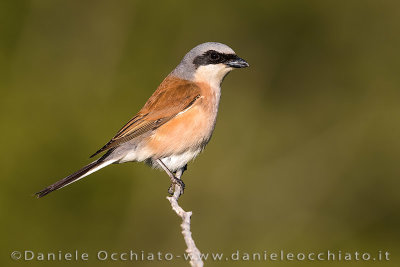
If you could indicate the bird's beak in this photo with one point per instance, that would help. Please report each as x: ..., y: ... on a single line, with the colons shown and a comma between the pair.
x: 237, y: 63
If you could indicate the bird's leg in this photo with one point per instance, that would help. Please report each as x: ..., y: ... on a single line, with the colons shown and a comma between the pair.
x: 178, y: 175
x: 175, y: 179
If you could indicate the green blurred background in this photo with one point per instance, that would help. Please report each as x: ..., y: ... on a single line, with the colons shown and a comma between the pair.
x: 305, y: 156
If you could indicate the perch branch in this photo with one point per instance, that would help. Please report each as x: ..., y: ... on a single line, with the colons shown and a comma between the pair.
x: 194, y: 252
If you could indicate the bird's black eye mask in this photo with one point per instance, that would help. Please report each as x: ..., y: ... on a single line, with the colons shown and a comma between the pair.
x: 213, y: 57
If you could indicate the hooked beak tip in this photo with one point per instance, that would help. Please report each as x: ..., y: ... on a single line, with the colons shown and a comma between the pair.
x: 238, y: 63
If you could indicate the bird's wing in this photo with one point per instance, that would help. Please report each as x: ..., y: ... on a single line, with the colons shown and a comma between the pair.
x: 172, y: 97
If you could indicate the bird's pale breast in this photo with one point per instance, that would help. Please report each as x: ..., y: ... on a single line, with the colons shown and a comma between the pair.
x: 188, y: 131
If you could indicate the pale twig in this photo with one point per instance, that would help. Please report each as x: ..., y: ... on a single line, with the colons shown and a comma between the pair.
x: 194, y: 252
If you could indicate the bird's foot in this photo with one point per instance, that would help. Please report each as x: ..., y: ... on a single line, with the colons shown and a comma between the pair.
x: 176, y: 182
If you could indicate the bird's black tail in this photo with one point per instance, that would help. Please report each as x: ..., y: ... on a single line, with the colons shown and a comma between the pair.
x: 85, y: 171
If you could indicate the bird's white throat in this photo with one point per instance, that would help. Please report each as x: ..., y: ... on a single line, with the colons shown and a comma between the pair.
x: 212, y: 74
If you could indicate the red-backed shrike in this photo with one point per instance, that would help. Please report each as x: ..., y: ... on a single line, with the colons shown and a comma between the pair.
x: 177, y: 121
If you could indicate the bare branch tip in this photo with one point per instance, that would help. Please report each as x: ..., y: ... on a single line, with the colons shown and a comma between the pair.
x: 194, y: 252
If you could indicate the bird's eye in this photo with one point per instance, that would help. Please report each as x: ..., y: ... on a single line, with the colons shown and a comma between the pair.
x: 214, y: 56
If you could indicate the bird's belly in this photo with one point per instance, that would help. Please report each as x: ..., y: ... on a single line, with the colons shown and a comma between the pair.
x: 178, y: 161
x: 189, y: 131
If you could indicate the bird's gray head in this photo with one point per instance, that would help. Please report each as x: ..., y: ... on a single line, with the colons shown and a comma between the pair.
x: 208, y: 62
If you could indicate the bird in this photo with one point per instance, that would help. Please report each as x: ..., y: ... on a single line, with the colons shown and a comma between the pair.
x: 176, y: 122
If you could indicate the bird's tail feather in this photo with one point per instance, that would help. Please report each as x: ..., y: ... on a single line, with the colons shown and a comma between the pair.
x: 85, y: 171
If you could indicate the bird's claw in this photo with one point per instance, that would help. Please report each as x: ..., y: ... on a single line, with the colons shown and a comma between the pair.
x: 179, y: 183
